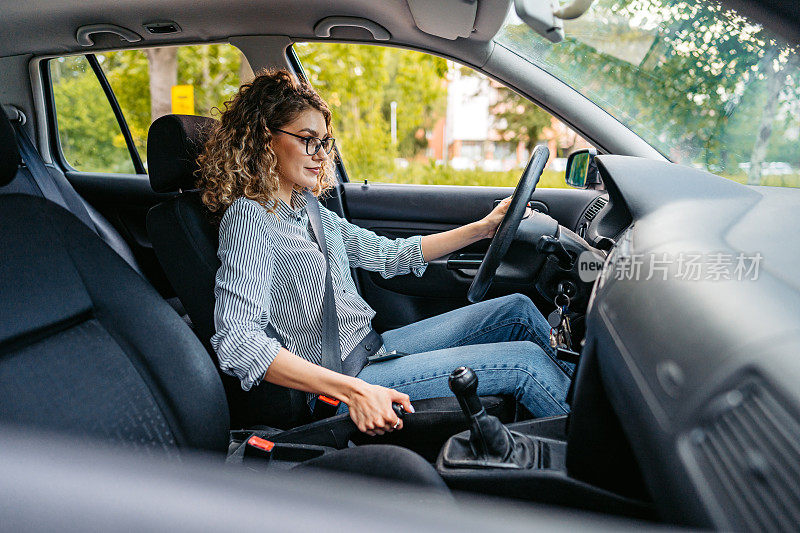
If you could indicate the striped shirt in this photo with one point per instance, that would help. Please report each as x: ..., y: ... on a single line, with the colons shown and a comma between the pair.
x: 273, y: 273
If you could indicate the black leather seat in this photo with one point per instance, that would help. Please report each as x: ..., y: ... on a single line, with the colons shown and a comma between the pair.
x: 90, y: 349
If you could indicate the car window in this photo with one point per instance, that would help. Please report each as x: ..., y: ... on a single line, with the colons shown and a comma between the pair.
x: 149, y: 83
x: 701, y: 83
x: 89, y: 134
x: 402, y: 116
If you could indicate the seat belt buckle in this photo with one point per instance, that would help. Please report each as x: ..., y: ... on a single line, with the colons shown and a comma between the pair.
x: 325, y: 407
x: 388, y: 356
x: 258, y: 450
x: 569, y: 356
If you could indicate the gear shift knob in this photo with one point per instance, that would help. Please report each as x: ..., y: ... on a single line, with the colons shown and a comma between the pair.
x: 464, y: 384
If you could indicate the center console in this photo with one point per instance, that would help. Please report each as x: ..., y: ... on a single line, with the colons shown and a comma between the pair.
x: 571, y: 461
x: 522, y: 460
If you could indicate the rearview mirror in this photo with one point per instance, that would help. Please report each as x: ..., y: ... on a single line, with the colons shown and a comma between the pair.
x: 538, y: 14
x: 545, y: 16
x: 581, y: 169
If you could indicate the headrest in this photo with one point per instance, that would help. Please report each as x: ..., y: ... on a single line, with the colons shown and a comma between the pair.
x: 173, y: 144
x: 9, y: 151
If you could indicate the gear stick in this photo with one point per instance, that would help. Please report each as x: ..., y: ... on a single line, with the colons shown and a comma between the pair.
x: 488, y: 436
x: 490, y: 443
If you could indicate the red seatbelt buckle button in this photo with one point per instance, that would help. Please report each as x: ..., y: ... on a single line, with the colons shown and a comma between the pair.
x: 325, y: 407
x: 329, y: 401
x: 257, y: 451
x: 261, y: 444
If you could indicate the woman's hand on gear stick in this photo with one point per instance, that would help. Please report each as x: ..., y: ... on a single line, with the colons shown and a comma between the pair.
x: 371, y: 410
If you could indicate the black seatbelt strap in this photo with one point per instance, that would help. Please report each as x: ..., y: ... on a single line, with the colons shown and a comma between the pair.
x: 325, y: 407
x: 45, y: 181
x: 331, y: 350
x: 30, y: 158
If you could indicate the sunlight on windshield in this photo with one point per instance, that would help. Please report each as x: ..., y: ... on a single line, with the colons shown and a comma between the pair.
x: 699, y: 82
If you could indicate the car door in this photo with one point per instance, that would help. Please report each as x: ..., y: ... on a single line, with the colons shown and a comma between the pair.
x: 422, y: 161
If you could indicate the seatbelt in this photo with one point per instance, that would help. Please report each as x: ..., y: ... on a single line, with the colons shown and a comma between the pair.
x: 45, y: 180
x: 331, y: 349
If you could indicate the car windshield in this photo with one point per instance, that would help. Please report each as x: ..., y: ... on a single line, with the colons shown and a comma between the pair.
x: 701, y: 83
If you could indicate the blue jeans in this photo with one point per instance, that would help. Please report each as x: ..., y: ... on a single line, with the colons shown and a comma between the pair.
x: 505, y: 341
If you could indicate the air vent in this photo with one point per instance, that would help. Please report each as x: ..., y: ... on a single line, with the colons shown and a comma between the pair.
x: 598, y: 204
x: 748, y: 451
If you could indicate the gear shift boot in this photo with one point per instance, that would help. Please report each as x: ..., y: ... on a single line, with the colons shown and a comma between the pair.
x: 490, y: 444
x: 458, y: 452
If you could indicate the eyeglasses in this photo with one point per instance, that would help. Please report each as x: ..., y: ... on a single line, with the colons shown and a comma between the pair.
x: 313, y: 144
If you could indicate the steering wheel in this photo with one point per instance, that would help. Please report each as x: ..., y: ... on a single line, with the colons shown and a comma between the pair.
x: 508, y: 227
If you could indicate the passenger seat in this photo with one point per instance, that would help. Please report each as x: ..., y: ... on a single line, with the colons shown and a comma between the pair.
x: 50, y: 183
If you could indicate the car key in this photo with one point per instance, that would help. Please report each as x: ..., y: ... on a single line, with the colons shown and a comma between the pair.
x: 553, y: 338
x: 554, y: 318
x: 566, y: 331
x: 566, y: 327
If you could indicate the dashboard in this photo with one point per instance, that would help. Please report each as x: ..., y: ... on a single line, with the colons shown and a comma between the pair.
x: 695, y: 326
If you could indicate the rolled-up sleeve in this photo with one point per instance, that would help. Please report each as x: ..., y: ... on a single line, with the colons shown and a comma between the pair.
x: 242, y: 290
x: 370, y: 251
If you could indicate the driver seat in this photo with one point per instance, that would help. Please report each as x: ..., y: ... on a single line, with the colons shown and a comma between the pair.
x: 185, y: 241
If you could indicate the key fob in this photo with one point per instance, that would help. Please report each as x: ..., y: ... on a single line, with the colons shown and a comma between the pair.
x: 554, y: 318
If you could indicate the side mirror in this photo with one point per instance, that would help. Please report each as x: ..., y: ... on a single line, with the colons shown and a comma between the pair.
x: 582, y: 170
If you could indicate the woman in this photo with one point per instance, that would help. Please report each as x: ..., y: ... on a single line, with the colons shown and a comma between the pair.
x: 274, y: 142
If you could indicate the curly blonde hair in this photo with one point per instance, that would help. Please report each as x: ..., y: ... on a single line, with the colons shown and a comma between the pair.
x: 238, y: 159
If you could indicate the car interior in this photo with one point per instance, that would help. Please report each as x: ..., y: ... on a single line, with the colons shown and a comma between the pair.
x: 684, y: 404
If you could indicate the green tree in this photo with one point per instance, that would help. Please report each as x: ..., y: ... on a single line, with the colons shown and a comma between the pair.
x: 351, y: 79
x: 776, y: 81
x: 359, y: 82
x: 88, y: 131
x: 128, y: 73
x: 419, y: 88
x: 705, y: 66
x: 214, y: 71
x: 90, y: 135
x: 522, y: 120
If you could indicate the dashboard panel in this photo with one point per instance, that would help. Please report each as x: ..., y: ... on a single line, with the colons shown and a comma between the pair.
x: 695, y: 323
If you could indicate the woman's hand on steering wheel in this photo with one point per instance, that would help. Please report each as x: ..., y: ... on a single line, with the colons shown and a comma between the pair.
x: 371, y: 410
x: 492, y: 221
x: 503, y: 234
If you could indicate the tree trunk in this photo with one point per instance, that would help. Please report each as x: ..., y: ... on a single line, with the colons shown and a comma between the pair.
x: 775, y: 83
x: 163, y: 75
x: 205, y: 80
